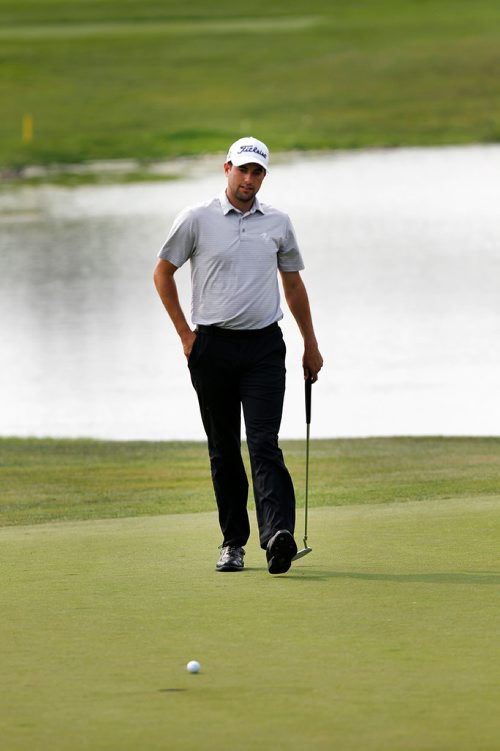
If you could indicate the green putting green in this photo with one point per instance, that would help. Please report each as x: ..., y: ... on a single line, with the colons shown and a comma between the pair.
x: 384, y: 638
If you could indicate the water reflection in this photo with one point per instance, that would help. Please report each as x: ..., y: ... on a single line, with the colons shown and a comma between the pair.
x: 402, y: 250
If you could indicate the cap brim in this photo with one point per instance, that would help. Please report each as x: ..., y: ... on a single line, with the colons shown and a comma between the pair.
x: 251, y: 159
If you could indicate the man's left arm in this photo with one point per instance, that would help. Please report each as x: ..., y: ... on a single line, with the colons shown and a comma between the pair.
x: 298, y: 302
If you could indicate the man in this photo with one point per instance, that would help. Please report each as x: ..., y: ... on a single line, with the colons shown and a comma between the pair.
x: 236, y: 354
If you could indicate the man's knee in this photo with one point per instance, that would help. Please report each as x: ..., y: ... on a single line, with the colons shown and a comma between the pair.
x: 263, y: 446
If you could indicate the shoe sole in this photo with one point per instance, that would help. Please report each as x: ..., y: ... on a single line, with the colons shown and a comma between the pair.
x: 283, y: 549
x: 229, y: 568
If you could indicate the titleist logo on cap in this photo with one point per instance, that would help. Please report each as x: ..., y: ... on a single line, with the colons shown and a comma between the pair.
x: 253, y: 149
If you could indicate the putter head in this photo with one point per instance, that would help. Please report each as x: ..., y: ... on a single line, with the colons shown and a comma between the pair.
x: 301, y: 553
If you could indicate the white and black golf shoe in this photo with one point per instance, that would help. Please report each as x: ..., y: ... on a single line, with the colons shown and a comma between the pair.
x: 231, y: 559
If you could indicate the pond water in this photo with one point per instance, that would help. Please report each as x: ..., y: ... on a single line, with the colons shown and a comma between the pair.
x: 402, y: 253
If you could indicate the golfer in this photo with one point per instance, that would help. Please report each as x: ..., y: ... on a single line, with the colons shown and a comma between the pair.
x: 236, y: 246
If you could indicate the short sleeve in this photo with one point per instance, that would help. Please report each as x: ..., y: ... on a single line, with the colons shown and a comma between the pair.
x: 289, y: 256
x: 180, y: 243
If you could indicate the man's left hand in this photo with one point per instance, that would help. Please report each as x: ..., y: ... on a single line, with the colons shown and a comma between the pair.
x: 312, y: 362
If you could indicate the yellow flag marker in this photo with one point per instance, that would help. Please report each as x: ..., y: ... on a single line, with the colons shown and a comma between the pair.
x: 27, y: 128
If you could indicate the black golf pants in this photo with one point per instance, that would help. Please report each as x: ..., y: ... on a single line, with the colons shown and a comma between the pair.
x: 231, y: 370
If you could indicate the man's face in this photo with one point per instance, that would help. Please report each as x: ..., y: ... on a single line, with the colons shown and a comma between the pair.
x: 243, y: 183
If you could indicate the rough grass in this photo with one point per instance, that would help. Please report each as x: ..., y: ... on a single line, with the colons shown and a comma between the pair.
x: 52, y: 479
x: 152, y: 80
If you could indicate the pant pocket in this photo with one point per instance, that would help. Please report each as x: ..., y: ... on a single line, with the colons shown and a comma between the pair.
x: 194, y: 352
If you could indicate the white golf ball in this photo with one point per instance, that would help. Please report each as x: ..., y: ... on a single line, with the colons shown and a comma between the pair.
x: 193, y: 666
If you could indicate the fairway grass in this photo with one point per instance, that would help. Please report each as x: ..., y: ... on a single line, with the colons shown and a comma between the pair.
x: 154, y: 80
x: 383, y: 639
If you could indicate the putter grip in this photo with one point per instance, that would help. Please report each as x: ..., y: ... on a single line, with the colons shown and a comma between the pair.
x: 308, y: 384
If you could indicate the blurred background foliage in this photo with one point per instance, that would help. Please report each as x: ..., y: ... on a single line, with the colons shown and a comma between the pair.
x: 107, y: 79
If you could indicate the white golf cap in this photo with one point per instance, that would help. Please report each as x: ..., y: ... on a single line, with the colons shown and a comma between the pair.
x: 248, y: 151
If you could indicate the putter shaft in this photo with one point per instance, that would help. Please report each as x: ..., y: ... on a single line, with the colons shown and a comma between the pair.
x: 306, y: 549
x: 306, y: 498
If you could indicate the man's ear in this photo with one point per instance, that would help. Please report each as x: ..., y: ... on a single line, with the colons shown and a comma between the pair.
x: 227, y: 167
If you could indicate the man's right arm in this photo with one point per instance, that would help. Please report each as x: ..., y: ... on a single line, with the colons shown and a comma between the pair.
x: 167, y: 289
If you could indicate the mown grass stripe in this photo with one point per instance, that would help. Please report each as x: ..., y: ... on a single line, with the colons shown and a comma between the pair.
x: 103, y: 28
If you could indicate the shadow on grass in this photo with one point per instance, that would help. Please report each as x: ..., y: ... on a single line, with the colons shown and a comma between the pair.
x: 466, y: 577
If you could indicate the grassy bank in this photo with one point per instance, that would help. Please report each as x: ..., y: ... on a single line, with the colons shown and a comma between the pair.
x: 158, y: 79
x: 44, y: 480
x: 383, y: 638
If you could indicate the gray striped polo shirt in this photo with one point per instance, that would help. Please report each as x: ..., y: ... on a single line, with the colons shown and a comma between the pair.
x: 234, y: 261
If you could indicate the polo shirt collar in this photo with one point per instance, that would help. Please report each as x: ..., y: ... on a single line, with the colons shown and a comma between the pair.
x: 227, y: 206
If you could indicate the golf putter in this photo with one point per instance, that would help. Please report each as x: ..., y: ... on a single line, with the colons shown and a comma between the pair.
x: 306, y: 549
